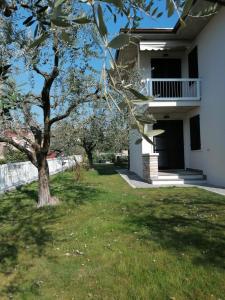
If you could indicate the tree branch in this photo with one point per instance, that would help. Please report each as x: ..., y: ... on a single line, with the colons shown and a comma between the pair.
x: 36, y: 69
x: 71, y: 108
x: 35, y: 129
x: 20, y: 147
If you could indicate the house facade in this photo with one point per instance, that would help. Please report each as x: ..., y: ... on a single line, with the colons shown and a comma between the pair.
x: 184, y: 69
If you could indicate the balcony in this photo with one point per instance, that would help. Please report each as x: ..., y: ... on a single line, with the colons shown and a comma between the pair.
x: 172, y: 89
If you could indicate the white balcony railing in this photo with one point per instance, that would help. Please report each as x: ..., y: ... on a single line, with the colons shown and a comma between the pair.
x: 172, y: 89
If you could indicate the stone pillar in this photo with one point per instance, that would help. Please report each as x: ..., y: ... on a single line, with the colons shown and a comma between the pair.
x: 150, y: 166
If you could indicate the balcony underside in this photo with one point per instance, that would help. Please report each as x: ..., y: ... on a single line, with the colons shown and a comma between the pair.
x: 171, y: 107
x: 174, y: 103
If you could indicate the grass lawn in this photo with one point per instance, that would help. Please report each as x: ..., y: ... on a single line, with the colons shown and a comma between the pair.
x: 108, y: 241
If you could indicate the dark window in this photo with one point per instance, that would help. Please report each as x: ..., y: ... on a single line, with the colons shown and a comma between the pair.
x: 195, y: 133
x: 193, y: 63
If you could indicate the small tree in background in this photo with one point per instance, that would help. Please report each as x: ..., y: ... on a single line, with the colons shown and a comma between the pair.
x: 98, y: 129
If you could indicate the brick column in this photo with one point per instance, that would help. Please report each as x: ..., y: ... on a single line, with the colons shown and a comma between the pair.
x: 150, y: 166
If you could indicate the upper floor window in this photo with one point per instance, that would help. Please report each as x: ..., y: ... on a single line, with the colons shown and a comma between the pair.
x: 193, y: 63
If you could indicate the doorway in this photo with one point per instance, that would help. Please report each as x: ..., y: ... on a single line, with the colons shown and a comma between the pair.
x: 170, y: 144
x: 166, y: 68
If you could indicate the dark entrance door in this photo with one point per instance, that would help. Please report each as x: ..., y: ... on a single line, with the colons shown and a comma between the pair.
x: 166, y: 68
x: 170, y: 144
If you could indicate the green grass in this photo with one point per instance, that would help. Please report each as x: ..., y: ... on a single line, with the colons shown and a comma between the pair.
x: 108, y: 241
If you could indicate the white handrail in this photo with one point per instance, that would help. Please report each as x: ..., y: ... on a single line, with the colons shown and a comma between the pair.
x: 172, y: 89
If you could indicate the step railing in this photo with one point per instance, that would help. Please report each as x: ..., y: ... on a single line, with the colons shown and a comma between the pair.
x: 172, y: 89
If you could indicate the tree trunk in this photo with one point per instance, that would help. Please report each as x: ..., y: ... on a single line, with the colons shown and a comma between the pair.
x: 90, y: 159
x: 44, y: 196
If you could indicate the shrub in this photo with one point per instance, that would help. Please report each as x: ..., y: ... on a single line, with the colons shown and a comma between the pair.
x: 12, y: 156
x: 121, y: 161
x: 103, y: 157
x: 2, y: 161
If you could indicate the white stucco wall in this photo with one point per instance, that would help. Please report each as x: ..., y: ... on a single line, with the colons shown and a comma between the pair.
x: 211, y: 63
x: 136, y: 151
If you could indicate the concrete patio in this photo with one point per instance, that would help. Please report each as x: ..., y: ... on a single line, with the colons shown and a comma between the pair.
x: 136, y: 182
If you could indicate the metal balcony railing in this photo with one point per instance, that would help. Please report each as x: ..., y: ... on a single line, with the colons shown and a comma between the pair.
x: 172, y: 89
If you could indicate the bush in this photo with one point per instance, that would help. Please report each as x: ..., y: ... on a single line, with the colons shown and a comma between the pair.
x: 121, y: 161
x: 103, y: 157
x: 2, y: 161
x: 12, y: 156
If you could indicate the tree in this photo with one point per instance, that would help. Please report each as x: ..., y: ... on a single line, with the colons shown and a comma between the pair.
x: 97, y: 129
x: 63, y: 88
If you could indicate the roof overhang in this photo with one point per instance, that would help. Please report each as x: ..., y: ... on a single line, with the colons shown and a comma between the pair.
x: 193, y: 24
x: 163, y: 45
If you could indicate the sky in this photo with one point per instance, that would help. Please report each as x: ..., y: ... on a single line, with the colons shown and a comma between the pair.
x: 147, y: 22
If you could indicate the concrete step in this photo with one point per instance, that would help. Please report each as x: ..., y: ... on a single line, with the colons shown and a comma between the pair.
x: 179, y: 181
x: 181, y: 176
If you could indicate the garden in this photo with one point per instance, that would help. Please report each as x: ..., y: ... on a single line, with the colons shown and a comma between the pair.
x: 109, y: 241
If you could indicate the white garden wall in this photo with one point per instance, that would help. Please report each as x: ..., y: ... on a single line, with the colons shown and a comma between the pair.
x: 17, y: 174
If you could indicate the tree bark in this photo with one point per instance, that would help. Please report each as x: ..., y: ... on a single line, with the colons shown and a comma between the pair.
x: 44, y: 196
x: 90, y: 159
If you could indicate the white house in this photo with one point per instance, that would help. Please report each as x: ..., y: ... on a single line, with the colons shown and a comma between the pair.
x: 184, y: 69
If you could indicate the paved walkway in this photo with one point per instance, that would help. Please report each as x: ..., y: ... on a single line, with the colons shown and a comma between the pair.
x: 136, y: 182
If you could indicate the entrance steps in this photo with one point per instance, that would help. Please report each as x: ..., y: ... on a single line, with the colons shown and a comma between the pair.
x: 179, y: 177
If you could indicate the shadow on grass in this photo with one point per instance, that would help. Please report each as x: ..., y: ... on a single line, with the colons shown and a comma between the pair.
x: 22, y: 227
x: 194, y: 225
x: 25, y: 229
x: 105, y: 169
x: 71, y: 192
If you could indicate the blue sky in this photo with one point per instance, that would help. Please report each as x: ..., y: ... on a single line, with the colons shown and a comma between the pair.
x: 147, y: 22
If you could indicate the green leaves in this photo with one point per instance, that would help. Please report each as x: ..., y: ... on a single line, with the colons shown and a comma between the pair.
x: 138, y: 141
x: 154, y: 132
x: 60, y: 22
x: 27, y: 20
x: 119, y: 41
x: 187, y: 7
x: 82, y: 20
x: 170, y: 7
x: 117, y: 3
x: 137, y: 94
x: 145, y: 119
x: 58, y: 17
x: 39, y: 41
x: 66, y: 37
x: 102, y: 27
x: 59, y: 2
